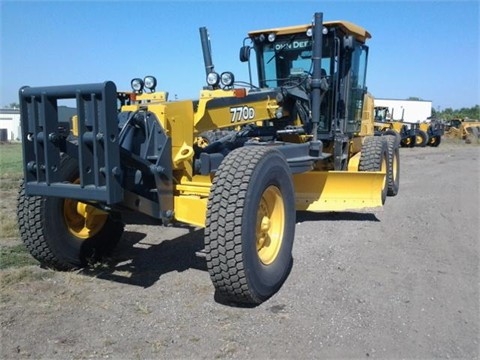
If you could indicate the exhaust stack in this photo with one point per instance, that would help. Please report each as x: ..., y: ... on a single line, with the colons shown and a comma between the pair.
x: 317, y: 72
x: 206, y: 50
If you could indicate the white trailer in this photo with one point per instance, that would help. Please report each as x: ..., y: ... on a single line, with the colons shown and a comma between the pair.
x: 407, y: 110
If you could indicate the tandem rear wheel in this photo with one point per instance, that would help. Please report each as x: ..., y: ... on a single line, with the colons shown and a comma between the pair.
x: 393, y: 174
x: 434, y: 140
x: 421, y: 138
x: 250, y: 225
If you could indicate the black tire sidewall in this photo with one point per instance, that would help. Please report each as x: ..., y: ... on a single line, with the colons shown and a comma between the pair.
x: 67, y: 248
x: 393, y: 157
x: 374, y: 153
x: 265, y: 280
x: 424, y: 136
x: 387, y: 160
x: 61, y: 242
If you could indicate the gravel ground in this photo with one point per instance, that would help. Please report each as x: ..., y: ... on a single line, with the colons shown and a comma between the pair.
x: 401, y: 282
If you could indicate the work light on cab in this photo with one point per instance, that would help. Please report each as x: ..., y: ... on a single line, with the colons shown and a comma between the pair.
x: 227, y: 79
x: 213, y: 79
x: 150, y: 83
x: 137, y: 85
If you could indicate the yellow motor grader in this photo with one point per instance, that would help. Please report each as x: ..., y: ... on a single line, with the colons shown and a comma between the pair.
x: 426, y: 133
x: 434, y: 131
x: 239, y: 161
x: 468, y: 130
x: 384, y: 123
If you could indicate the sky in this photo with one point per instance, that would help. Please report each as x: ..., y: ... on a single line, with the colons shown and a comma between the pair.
x: 425, y: 49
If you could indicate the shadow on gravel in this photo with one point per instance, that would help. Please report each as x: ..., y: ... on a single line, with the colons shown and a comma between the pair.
x: 335, y: 216
x: 144, y: 264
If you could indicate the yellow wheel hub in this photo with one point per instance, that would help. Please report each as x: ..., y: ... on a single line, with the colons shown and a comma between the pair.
x: 270, y: 225
x: 83, y: 220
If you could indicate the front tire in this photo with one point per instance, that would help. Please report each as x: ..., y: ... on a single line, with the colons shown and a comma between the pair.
x: 250, y: 225
x: 374, y: 157
x: 65, y: 234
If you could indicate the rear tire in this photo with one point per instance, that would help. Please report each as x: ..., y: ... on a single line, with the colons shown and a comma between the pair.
x: 421, y: 138
x: 250, y: 225
x: 408, y: 141
x: 398, y: 137
x: 437, y: 140
x: 57, y: 235
x: 393, y: 178
x: 374, y: 157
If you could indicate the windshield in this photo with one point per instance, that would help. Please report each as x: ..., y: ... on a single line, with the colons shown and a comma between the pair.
x: 288, y: 57
x: 283, y: 59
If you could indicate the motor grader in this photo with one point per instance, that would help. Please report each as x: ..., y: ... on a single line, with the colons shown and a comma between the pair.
x: 426, y: 133
x: 468, y: 130
x: 434, y: 130
x: 238, y: 162
x: 384, y: 123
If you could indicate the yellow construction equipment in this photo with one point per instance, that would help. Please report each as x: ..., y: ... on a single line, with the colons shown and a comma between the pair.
x: 468, y: 130
x: 434, y: 130
x: 426, y: 133
x: 385, y: 124
x: 238, y: 161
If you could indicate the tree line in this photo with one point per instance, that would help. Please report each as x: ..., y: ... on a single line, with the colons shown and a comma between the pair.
x: 466, y: 114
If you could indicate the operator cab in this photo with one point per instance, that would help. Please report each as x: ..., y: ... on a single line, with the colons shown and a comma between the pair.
x: 284, y: 59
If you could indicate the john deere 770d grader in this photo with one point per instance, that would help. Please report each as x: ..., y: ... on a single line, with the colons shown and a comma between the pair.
x: 239, y: 161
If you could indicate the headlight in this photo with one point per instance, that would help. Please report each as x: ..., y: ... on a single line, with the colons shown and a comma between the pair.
x: 137, y: 84
x: 150, y: 82
x: 272, y: 37
x: 213, y: 79
x: 227, y: 78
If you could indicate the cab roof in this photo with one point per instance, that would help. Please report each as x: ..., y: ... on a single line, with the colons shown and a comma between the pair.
x: 349, y: 28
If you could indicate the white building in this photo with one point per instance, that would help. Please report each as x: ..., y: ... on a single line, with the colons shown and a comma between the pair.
x: 10, y: 129
x: 10, y: 125
x: 407, y: 110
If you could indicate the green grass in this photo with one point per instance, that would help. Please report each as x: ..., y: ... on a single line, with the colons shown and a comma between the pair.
x: 11, y: 171
x: 10, y: 161
x: 10, y: 175
x: 8, y: 225
x: 15, y: 256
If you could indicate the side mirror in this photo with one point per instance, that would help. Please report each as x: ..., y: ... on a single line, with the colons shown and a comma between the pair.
x: 245, y: 53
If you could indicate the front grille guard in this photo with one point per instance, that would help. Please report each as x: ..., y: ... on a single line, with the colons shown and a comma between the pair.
x: 45, y: 137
